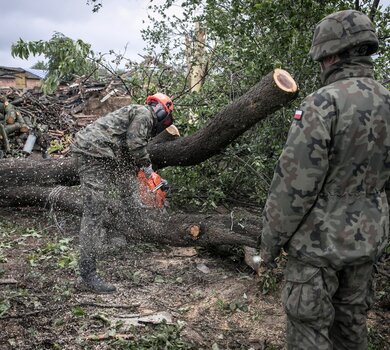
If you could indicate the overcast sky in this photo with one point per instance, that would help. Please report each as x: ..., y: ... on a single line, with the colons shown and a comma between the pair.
x: 118, y: 23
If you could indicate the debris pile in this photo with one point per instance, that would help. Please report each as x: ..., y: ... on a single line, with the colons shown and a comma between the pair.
x: 33, y: 123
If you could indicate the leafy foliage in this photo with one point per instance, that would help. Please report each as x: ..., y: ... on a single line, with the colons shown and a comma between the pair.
x: 163, y: 336
x: 66, y: 57
x: 96, y: 5
x: 57, y: 250
x: 40, y: 65
x: 245, y: 41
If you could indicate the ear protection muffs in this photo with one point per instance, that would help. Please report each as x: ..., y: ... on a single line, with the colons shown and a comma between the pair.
x: 159, y: 111
x: 161, y: 114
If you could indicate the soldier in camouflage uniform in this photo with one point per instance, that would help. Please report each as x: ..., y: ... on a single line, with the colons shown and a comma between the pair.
x: 327, y: 205
x: 109, y: 153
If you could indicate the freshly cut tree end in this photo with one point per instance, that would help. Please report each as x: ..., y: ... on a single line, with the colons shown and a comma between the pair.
x: 173, y: 130
x: 171, y: 133
x: 284, y: 80
x: 10, y: 120
x: 194, y: 231
x: 24, y: 129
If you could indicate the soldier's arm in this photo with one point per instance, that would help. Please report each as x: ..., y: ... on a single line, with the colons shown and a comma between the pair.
x: 298, y: 178
x: 387, y: 189
x: 138, y: 134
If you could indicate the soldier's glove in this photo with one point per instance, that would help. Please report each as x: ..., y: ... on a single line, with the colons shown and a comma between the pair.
x: 254, y: 260
x: 148, y: 170
x: 165, y: 185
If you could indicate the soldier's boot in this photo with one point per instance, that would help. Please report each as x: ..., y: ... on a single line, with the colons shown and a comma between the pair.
x: 90, y: 281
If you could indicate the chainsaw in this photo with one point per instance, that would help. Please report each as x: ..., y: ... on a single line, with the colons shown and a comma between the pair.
x: 151, y: 190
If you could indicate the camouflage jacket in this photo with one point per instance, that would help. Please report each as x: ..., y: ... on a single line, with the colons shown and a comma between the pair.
x: 121, y: 135
x: 327, y: 204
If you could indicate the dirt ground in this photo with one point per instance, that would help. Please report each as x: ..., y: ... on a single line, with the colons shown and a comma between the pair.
x: 208, y: 300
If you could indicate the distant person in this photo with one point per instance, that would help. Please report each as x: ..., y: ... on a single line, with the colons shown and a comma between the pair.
x: 109, y: 153
x: 327, y: 205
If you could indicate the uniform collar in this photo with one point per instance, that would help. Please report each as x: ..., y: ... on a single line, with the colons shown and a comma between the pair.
x: 348, y: 68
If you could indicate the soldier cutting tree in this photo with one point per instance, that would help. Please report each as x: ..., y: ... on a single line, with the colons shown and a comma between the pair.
x: 110, y: 152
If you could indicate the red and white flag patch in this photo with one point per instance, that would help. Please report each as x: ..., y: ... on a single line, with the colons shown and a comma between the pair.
x: 298, y: 114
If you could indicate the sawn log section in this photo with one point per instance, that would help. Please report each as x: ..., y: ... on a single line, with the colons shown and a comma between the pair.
x: 24, y: 182
x: 176, y: 229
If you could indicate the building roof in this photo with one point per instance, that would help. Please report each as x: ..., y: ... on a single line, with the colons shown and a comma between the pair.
x: 38, y: 72
x: 9, y: 72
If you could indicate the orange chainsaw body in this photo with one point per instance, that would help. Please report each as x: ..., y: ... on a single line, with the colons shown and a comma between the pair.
x: 151, y: 194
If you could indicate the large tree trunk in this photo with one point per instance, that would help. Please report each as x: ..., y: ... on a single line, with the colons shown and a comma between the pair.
x: 275, y: 90
x: 176, y: 229
x: 25, y: 172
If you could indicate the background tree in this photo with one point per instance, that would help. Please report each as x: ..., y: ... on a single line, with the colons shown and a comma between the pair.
x: 40, y: 65
x: 65, y: 58
x: 245, y: 40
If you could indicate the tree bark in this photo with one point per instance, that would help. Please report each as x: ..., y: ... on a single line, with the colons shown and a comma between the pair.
x: 175, y: 229
x: 275, y: 90
x: 24, y: 172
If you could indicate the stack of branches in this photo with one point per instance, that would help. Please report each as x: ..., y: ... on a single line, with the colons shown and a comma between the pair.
x: 54, y: 119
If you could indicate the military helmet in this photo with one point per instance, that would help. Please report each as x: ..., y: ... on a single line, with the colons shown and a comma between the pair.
x: 342, y: 31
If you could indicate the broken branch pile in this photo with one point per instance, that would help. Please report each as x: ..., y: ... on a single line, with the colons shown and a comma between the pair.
x: 53, y: 119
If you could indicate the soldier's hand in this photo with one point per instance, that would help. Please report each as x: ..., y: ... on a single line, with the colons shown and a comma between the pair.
x: 254, y: 260
x: 165, y: 185
x: 148, y: 170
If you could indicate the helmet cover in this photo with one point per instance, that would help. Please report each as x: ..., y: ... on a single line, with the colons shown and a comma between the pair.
x: 341, y: 31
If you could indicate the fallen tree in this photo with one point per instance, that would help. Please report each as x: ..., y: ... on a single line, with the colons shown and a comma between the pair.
x: 27, y: 183
x: 275, y: 90
x: 176, y: 229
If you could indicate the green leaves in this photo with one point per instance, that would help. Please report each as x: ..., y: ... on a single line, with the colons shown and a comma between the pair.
x: 65, y: 58
x: 245, y: 41
x: 4, y: 306
x: 78, y: 311
x: 58, y: 250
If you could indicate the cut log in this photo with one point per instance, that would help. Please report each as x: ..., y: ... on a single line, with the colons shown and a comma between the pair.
x: 275, y: 90
x: 176, y: 229
x: 24, y: 172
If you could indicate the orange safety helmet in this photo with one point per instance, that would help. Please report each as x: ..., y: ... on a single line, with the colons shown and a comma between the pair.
x: 163, y: 99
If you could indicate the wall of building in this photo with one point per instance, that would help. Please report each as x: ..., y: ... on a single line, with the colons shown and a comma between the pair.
x: 30, y: 83
x: 4, y: 82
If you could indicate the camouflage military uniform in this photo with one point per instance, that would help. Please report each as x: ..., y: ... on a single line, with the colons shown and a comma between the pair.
x: 121, y: 136
x: 327, y: 207
x: 108, y: 153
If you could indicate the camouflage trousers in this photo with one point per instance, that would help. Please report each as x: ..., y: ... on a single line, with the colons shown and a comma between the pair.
x: 327, y: 309
x: 109, y: 193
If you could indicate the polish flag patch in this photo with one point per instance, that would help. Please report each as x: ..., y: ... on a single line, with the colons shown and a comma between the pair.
x: 298, y: 114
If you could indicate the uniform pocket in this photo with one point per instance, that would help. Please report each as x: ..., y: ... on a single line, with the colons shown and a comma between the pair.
x: 302, y: 295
